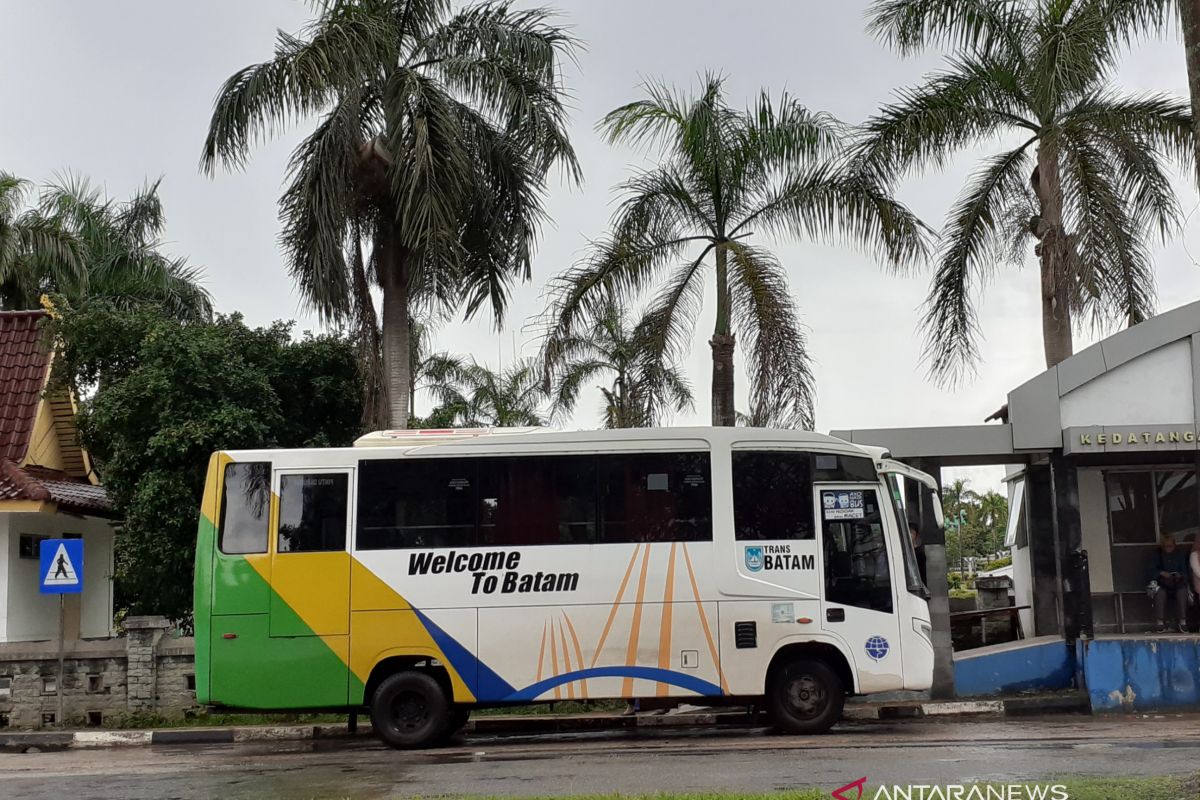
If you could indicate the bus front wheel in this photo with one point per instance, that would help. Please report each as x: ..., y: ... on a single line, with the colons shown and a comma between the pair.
x: 410, y: 710
x: 806, y: 696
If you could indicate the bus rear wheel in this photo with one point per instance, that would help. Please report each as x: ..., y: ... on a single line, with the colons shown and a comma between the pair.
x: 806, y: 697
x: 410, y: 710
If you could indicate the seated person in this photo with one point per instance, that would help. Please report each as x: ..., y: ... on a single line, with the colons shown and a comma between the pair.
x: 1169, y: 570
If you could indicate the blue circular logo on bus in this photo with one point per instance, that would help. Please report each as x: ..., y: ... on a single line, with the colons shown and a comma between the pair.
x: 877, y: 648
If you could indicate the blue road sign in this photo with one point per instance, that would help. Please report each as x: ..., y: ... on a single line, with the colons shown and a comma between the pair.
x: 62, y: 566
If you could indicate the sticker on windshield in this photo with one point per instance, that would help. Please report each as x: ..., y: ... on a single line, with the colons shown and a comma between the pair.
x: 842, y: 504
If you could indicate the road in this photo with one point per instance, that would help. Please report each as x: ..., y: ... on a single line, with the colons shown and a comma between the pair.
x: 899, y: 752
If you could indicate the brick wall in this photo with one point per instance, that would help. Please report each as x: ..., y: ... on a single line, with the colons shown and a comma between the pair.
x: 143, y: 672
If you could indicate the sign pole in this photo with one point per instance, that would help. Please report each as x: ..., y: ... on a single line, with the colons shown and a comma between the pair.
x: 62, y: 574
x: 62, y: 633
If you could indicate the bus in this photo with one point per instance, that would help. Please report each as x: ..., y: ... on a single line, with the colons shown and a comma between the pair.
x: 422, y: 574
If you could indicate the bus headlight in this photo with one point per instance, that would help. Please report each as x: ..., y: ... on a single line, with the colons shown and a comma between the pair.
x: 924, y: 629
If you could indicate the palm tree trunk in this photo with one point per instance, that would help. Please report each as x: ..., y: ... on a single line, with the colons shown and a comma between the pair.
x: 1055, y: 250
x: 375, y: 408
x: 722, y: 344
x: 397, y: 335
x: 1189, y: 15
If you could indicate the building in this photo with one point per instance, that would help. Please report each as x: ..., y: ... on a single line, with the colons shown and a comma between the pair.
x: 1102, y: 453
x: 47, y: 490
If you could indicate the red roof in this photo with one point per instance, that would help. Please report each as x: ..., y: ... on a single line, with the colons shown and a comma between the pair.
x: 44, y: 485
x: 24, y: 359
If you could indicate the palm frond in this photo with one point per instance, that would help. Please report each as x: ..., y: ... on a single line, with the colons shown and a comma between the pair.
x: 958, y: 25
x: 974, y: 99
x: 780, y: 372
x: 972, y: 242
x: 338, y: 52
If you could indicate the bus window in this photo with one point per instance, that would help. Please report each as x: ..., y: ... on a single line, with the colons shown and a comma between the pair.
x: 843, y: 468
x: 856, y: 562
x: 531, y: 501
x: 312, y: 512
x: 410, y: 503
x: 772, y: 493
x: 656, y: 497
x: 244, y: 503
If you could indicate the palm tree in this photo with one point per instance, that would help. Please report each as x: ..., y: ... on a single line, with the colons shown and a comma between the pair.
x: 437, y: 129
x: 80, y: 244
x: 1085, y: 178
x: 993, y: 520
x: 723, y: 176
x: 642, y: 391
x: 34, y: 250
x: 473, y: 395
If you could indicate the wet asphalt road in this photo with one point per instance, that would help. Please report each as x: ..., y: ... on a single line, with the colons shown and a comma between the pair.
x: 745, y: 760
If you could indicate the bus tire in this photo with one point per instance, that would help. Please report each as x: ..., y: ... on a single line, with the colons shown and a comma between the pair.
x: 410, y: 710
x: 806, y: 696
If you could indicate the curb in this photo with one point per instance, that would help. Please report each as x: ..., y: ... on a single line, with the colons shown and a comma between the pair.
x: 530, y: 725
x: 1009, y: 707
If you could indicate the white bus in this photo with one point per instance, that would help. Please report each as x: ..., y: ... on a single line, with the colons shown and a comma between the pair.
x: 422, y: 574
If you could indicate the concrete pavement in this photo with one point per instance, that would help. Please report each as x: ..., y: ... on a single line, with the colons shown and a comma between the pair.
x: 637, y: 761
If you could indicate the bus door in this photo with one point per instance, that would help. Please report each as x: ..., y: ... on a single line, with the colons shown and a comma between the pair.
x: 859, y: 603
x: 310, y: 579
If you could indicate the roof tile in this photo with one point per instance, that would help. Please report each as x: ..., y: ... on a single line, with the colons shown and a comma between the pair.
x: 24, y: 359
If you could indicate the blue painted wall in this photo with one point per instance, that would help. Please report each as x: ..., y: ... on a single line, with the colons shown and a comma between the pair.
x: 1140, y: 674
x: 1037, y: 665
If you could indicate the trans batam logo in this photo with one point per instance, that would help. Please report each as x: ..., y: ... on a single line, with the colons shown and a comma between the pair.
x: 777, y: 556
x: 754, y: 559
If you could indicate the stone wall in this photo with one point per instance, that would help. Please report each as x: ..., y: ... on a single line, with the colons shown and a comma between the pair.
x: 144, y: 672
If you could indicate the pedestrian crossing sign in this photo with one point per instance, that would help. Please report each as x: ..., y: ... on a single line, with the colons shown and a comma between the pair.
x: 61, y: 566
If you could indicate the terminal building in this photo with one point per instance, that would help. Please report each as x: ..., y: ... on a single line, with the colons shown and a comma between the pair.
x: 1102, y: 460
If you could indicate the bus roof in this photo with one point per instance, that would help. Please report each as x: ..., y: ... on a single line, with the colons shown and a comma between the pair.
x: 399, y: 443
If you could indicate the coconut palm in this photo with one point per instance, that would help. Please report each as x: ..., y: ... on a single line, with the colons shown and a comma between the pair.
x: 81, y: 245
x: 723, y: 177
x: 1082, y: 170
x: 427, y: 166
x: 475, y: 396
x: 641, y: 391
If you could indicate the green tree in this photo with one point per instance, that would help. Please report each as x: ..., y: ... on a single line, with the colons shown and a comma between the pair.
x: 473, y: 396
x: 723, y: 176
x: 163, y: 395
x: 642, y: 390
x: 1086, y: 178
x: 426, y: 171
x: 80, y: 244
x: 993, y: 522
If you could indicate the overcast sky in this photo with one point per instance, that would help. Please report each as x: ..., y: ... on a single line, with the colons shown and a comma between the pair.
x: 122, y: 90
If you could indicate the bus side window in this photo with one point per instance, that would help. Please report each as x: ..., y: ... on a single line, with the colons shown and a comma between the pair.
x: 416, y: 503
x: 771, y: 495
x: 532, y: 501
x: 856, y: 563
x: 656, y: 497
x: 245, y: 501
x: 312, y: 512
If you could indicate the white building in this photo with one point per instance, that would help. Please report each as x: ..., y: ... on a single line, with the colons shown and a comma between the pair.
x: 47, y: 490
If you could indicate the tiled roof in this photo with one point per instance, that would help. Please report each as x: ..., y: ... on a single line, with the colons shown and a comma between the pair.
x: 51, y: 486
x: 24, y: 358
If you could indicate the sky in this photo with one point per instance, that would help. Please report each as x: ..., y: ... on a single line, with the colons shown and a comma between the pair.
x: 122, y: 91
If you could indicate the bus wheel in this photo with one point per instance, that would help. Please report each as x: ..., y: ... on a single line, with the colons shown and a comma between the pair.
x: 806, y: 697
x: 409, y: 710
